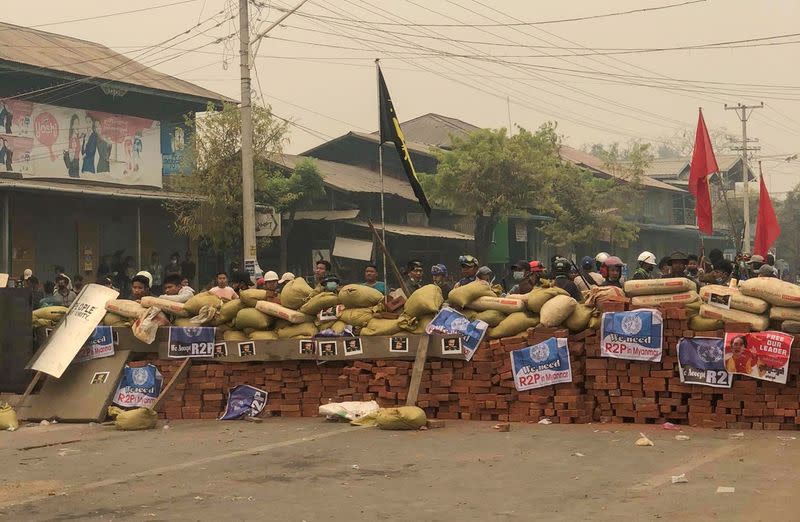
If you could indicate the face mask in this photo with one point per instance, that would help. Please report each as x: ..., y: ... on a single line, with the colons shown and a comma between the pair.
x: 330, y: 287
x: 518, y: 276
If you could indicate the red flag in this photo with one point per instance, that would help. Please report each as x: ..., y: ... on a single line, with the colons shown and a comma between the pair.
x: 703, y: 164
x: 767, y: 227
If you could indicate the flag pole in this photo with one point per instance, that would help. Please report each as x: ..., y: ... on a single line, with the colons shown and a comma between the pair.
x: 380, y: 170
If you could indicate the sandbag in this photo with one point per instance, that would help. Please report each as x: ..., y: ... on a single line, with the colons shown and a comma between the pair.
x: 282, y: 312
x: 126, y: 308
x: 471, y: 314
x: 772, y: 290
x: 669, y: 285
x: 501, y: 304
x: 145, y: 327
x: 297, y: 331
x: 594, y: 322
x: 137, y: 419
x: 198, y: 301
x: 792, y: 327
x: 356, y: 316
x: 50, y: 313
x: 739, y: 301
x: 295, y: 293
x: 112, y: 319
x: 339, y: 327
x: 228, y: 311
x: 166, y: 306
x: 319, y: 302
x: 556, y: 310
x: 699, y: 323
x: 415, y: 325
x: 8, y: 418
x: 359, y: 296
x: 597, y: 296
x: 235, y: 335
x: 381, y: 327
x: 205, y: 315
x: 514, y: 324
x: 260, y: 335
x: 784, y: 313
x: 402, y: 418
x: 490, y: 317
x: 426, y: 300
x: 579, y: 319
x: 756, y: 322
x: 463, y: 295
x: 657, y: 299
x: 539, y: 296
x: 252, y: 318
x: 251, y: 295
x: 185, y: 322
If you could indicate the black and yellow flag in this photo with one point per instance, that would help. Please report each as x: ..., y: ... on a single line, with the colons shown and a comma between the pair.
x: 390, y: 131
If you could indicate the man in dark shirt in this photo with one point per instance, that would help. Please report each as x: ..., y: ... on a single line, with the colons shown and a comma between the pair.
x: 413, y: 278
x: 561, y: 279
x: 469, y: 269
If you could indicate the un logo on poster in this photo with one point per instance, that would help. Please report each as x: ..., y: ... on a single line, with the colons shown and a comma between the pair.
x: 539, y: 353
x: 710, y: 353
x: 139, y: 376
x: 632, y: 325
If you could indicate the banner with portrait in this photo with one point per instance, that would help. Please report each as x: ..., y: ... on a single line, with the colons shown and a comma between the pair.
x: 762, y: 355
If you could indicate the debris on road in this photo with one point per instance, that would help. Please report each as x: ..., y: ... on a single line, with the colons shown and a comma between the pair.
x: 739, y: 435
x: 545, y: 421
x: 502, y: 427
x: 576, y: 454
x: 644, y: 441
x: 725, y: 489
x: 670, y: 426
x: 679, y: 479
x: 682, y: 437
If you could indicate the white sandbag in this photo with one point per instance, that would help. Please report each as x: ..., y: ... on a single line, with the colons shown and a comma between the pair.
x: 772, y: 290
x: 669, y: 285
x: 657, y: 299
x: 166, y: 306
x: 348, y: 410
x: 276, y: 310
x: 739, y: 301
x: 501, y: 304
x: 556, y: 310
x: 784, y: 313
x: 126, y: 308
x: 145, y: 328
x: 757, y: 322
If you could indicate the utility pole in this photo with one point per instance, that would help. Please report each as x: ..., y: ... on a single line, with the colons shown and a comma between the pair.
x: 248, y: 190
x: 744, y: 115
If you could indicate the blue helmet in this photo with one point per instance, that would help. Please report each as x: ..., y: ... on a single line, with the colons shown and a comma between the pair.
x: 439, y: 270
x: 587, y: 263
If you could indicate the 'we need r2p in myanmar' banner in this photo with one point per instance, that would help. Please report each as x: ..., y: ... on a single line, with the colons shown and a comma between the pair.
x: 637, y: 335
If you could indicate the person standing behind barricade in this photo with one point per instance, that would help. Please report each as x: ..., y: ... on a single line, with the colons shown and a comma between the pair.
x: 140, y: 287
x: 174, y: 266
x: 321, y: 269
x: 49, y: 298
x: 63, y: 295
x: 519, y: 272
x: 586, y: 270
x: 222, y: 290
x: 647, y: 262
x: 174, y: 291
x: 414, y: 273
x: 692, y: 265
x: 613, y: 268
x: 469, y: 269
x: 677, y: 268
x: 270, y: 283
x: 371, y: 279
x: 439, y: 276
x: 532, y: 279
x: 561, y: 279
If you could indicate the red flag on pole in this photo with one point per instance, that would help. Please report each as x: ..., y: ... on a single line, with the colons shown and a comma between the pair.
x: 704, y: 163
x: 767, y: 227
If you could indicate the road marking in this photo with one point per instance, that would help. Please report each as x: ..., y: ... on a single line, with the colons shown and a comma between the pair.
x: 177, y: 467
x: 665, y: 477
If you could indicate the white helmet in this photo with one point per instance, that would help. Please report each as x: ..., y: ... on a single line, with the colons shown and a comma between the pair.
x: 647, y: 257
x: 601, y: 257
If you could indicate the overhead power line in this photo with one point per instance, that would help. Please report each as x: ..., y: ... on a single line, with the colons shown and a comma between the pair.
x: 109, y: 15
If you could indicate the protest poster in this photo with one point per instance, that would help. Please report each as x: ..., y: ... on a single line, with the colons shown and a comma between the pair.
x: 244, y: 401
x: 637, y: 335
x: 762, y: 355
x: 701, y: 361
x: 190, y: 341
x: 139, y: 387
x: 541, y: 365
x: 451, y: 322
x: 100, y: 344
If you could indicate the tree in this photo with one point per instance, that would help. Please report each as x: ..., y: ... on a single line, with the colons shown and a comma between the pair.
x: 787, y: 247
x: 288, y: 194
x: 212, y: 158
x: 681, y: 144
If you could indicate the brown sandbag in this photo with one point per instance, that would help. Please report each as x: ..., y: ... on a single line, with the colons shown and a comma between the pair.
x: 514, y: 324
x: 699, y: 323
x: 739, y: 301
x: 251, y: 295
x: 252, y: 318
x: 298, y: 331
x: 668, y: 285
x: 381, y: 327
x: 50, y: 313
x: 784, y: 313
x: 758, y: 323
x: 359, y: 296
x: 657, y: 299
x: 227, y: 313
x: 112, y: 319
x: 235, y: 335
x: 579, y: 319
x: 501, y: 304
x: 295, y: 293
x: 359, y: 317
x: 772, y: 290
x: 136, y: 419
x: 167, y: 306
x: 539, y: 296
x: 490, y: 317
x: 126, y: 308
x: 282, y: 312
x: 198, y: 301
x: 426, y: 300
x: 556, y: 310
x: 599, y: 295
x: 260, y: 335
x: 463, y: 295
x: 182, y: 321
x: 792, y: 327
x: 319, y: 302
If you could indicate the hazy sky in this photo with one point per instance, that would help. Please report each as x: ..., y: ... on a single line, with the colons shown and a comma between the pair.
x: 317, y: 69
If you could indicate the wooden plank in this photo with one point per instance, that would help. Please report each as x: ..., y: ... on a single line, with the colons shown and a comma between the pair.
x: 183, y: 369
x: 416, y: 372
x: 28, y: 390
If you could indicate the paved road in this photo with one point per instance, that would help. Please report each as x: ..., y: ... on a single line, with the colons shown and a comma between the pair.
x: 311, y: 470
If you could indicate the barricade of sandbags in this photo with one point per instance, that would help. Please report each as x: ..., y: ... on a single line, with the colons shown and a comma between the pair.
x: 772, y: 290
x: 738, y: 300
x: 756, y: 322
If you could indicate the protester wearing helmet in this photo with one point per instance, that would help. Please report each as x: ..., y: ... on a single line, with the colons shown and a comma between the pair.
x: 439, y: 276
x: 613, y: 267
x: 647, y: 262
x: 469, y: 269
x: 413, y: 279
x: 561, y: 279
x: 677, y: 267
x: 587, y: 270
x: 599, y: 263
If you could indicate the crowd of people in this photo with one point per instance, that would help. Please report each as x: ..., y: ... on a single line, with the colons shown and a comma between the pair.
x: 172, y: 282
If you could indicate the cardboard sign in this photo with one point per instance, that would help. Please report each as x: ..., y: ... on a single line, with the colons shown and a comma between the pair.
x: 139, y: 387
x: 701, y: 360
x: 190, y: 341
x: 637, y: 335
x: 451, y: 322
x: 100, y: 344
x: 762, y: 355
x: 541, y: 365
x: 73, y: 331
x: 720, y: 300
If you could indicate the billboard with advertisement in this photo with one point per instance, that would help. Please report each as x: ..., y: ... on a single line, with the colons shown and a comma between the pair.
x: 45, y: 141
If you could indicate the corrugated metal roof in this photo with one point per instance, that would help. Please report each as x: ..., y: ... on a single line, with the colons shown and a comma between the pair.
x: 65, y: 54
x: 673, y: 167
x: 594, y: 163
x: 325, y: 215
x: 408, y: 230
x: 84, y: 189
x: 354, y: 179
x: 435, y: 130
